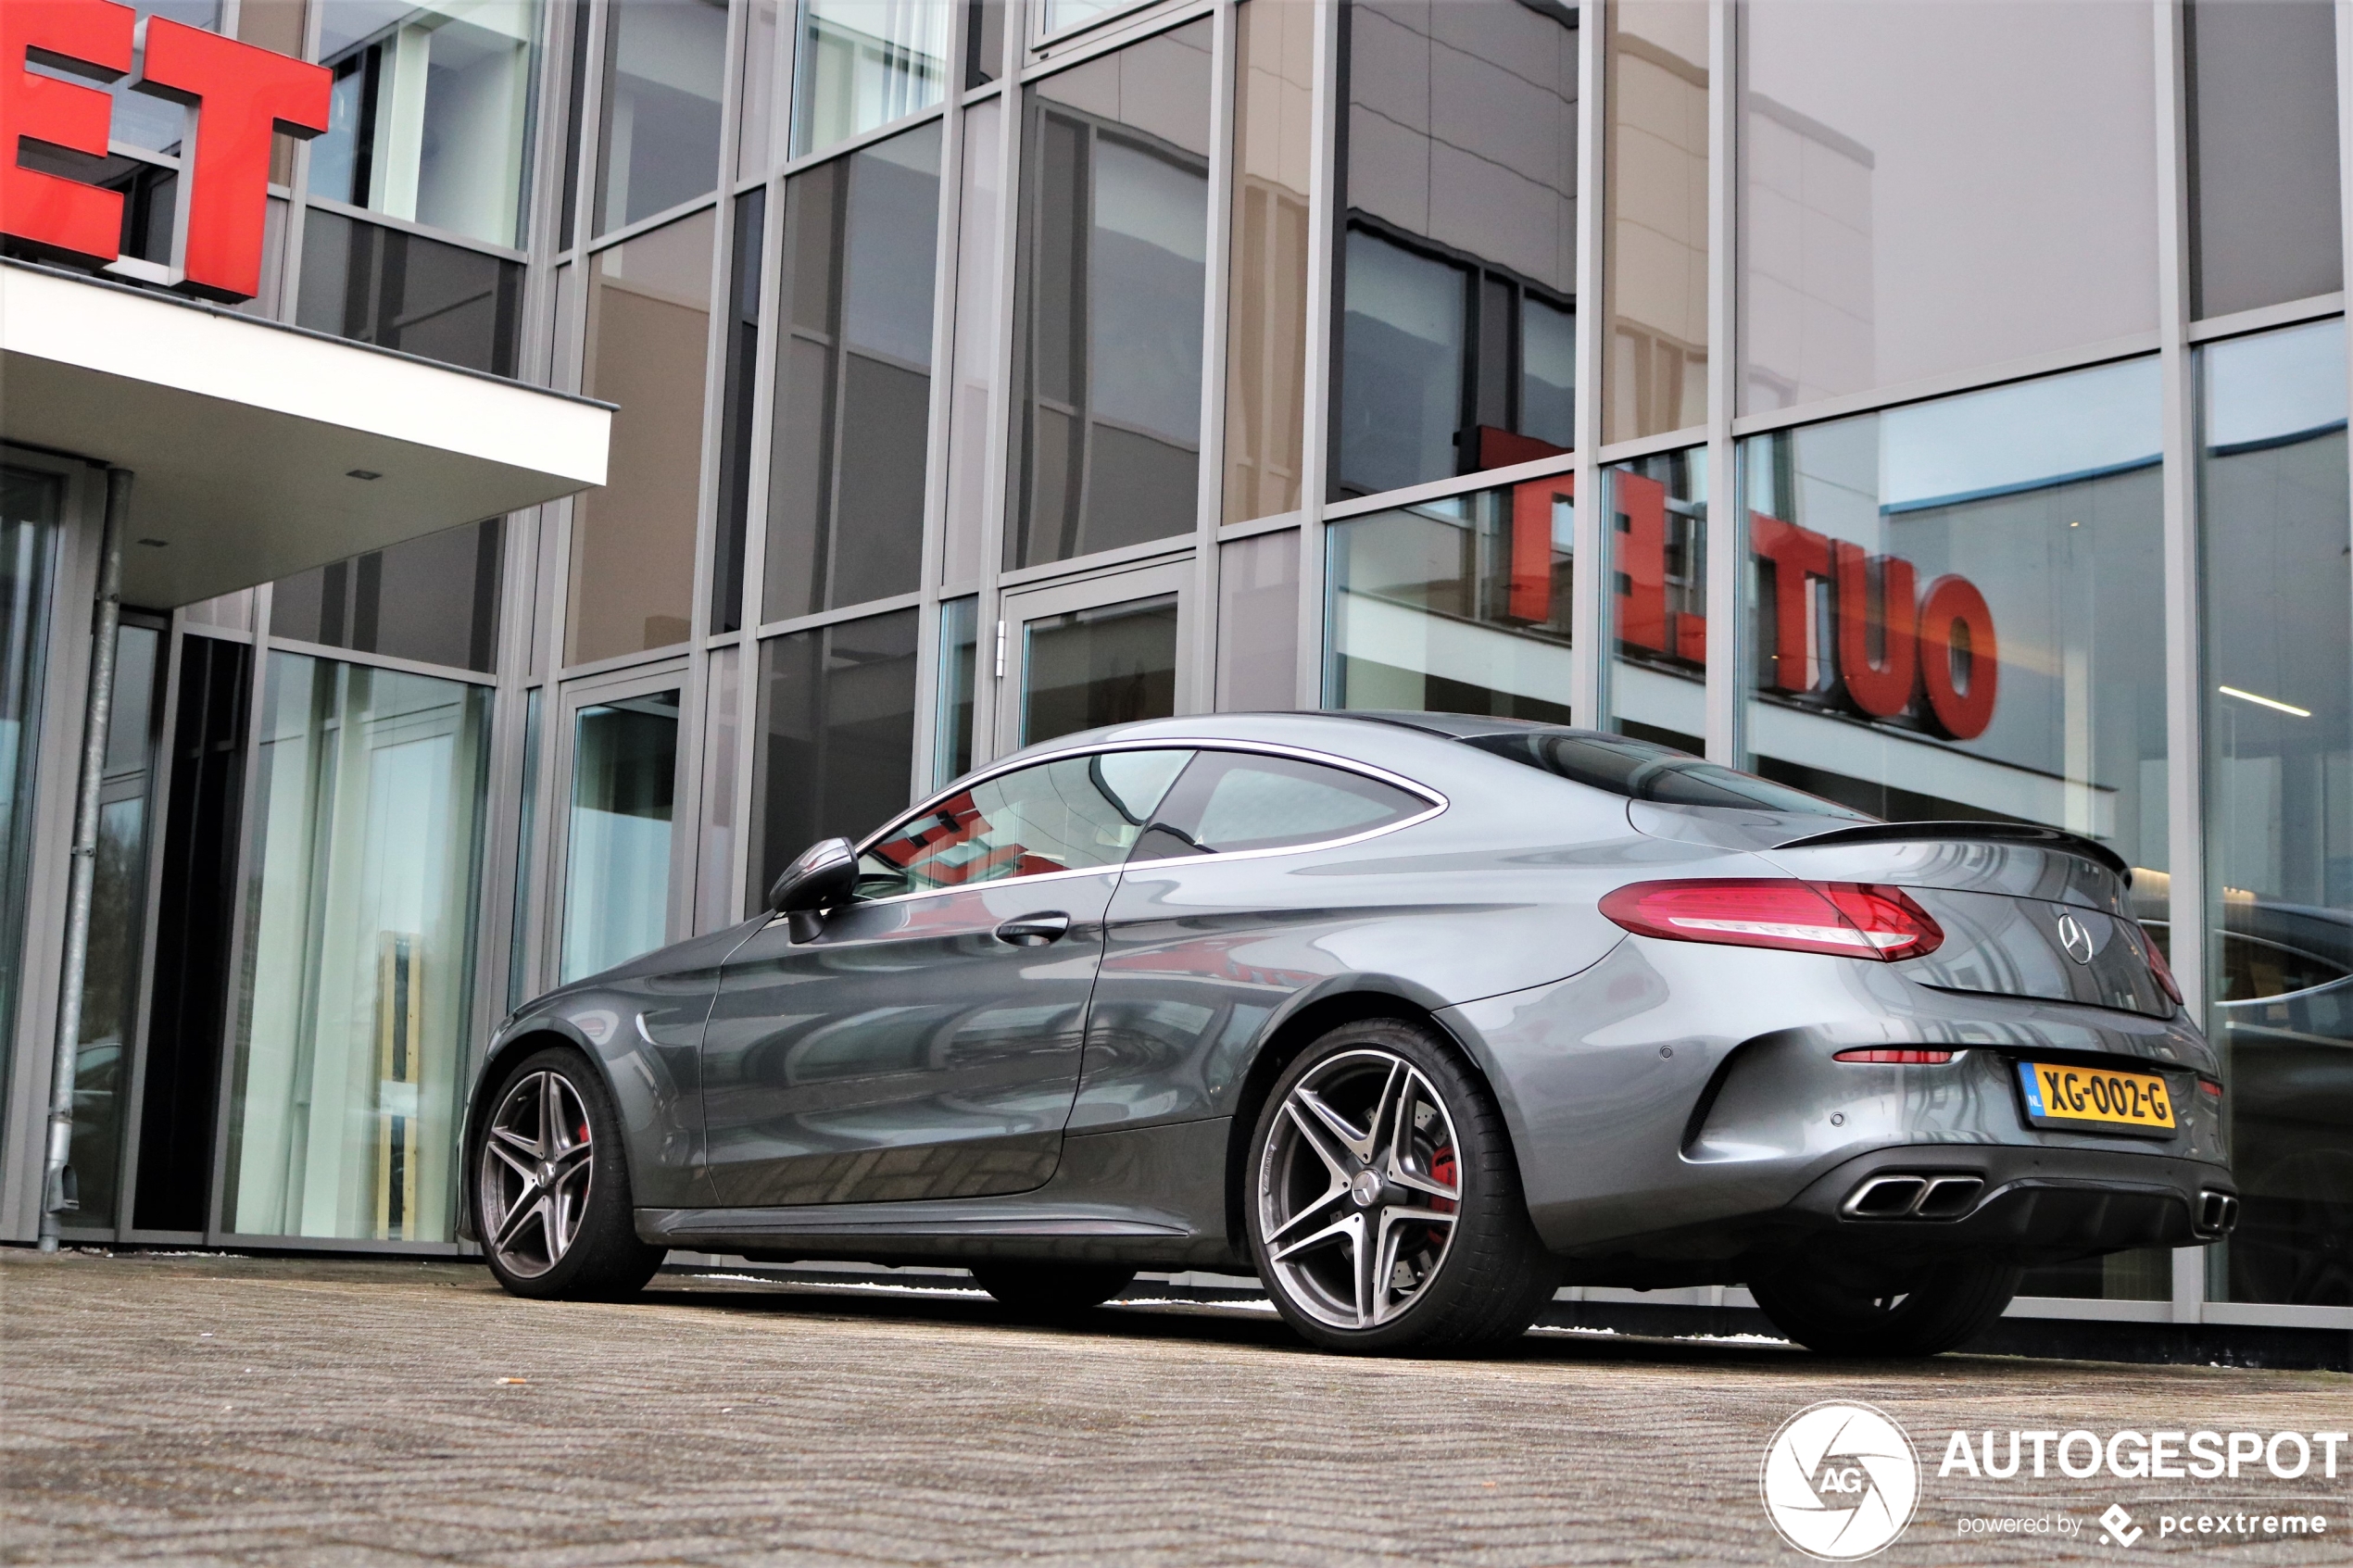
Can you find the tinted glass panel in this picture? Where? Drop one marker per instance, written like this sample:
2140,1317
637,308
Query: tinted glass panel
2263,153
1459,606
736,429
633,563
1266,321
2279,723
352,1041
1641,770
1658,596
1457,345
665,62
141,119
1959,608
972,404
837,708
1879,139
1655,264
29,504
959,664
1069,815
1094,667
398,290
434,599
625,774
853,378
985,42
1258,622
864,63
430,112
1115,244
1230,801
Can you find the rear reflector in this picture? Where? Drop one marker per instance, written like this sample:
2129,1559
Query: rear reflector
1897,1059
1854,919
2210,1088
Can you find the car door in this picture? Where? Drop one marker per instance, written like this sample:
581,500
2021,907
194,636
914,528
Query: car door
924,1041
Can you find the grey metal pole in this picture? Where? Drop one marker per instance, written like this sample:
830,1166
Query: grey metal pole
58,1197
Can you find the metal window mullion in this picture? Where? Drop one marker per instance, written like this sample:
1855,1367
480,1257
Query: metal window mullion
940,412
1727,535
1324,198
1588,605
756,499
2185,660
1197,631
1007,322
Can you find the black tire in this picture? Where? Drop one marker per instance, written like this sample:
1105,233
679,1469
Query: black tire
597,1256
1481,1284
1047,1291
1934,1310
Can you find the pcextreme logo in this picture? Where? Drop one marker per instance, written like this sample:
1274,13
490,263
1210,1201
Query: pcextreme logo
1841,1481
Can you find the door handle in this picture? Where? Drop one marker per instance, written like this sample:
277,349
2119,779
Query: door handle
1035,931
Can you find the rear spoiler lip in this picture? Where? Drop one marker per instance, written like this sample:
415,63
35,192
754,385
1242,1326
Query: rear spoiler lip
2001,833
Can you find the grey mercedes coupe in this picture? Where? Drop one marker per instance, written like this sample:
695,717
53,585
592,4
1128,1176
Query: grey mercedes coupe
1416,1016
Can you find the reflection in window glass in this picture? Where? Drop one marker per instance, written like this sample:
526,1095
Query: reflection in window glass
624,774
398,290
1229,802
430,112
715,857
1458,605
1658,605
2279,727
1958,610
838,735
984,42
141,119
864,63
1460,327
665,61
633,556
1114,241
973,401
1113,664
1258,622
1878,138
118,908
352,1041
2262,99
1655,261
1062,15
28,503
853,378
1267,313
434,599
1065,816
958,666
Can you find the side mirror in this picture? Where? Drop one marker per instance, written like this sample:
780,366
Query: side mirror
821,877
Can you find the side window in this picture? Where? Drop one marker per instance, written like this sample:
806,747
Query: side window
1065,815
1230,800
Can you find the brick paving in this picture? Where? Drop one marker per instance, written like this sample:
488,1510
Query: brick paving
209,1409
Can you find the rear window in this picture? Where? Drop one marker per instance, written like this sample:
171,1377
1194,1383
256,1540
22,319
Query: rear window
1228,801
1641,769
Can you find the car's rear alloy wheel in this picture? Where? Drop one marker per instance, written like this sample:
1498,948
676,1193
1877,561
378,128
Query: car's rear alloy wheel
1385,1211
552,1189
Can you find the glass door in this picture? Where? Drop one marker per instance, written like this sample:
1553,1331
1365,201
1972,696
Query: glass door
619,874
1104,651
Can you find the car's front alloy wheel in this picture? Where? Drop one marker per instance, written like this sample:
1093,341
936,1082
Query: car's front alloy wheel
552,1185
1385,1211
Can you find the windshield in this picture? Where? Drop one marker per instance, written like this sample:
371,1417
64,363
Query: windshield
1642,770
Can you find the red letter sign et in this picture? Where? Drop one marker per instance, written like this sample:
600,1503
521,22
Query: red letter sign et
89,38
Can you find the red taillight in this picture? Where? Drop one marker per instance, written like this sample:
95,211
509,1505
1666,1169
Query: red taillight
1896,1058
2207,1087
2159,967
1848,918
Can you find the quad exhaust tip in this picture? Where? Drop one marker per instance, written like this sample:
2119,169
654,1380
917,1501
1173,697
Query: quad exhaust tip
1906,1196
2218,1212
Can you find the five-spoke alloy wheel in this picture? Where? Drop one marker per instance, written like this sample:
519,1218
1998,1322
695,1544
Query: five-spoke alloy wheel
1385,1207
552,1185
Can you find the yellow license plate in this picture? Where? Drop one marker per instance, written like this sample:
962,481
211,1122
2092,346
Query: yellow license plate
2099,1096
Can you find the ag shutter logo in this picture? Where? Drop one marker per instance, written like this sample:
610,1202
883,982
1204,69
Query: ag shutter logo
1841,1481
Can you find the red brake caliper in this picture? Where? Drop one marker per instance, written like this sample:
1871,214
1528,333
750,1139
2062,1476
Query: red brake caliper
1442,1169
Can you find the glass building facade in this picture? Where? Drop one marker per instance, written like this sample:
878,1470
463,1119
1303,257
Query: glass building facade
1939,407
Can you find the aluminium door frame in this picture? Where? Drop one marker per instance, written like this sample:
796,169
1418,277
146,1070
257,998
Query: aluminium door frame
1174,574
